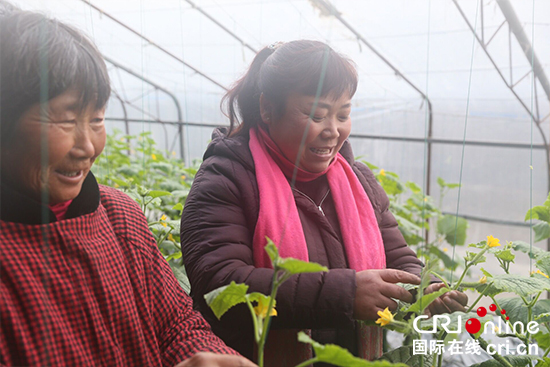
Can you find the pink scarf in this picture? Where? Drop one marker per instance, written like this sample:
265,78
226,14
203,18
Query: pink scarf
278,219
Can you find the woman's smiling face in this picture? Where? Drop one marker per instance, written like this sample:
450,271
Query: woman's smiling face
54,147
329,127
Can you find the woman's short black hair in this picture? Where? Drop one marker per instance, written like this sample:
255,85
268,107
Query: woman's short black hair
40,59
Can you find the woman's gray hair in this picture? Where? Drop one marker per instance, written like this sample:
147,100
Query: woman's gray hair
40,59
7,8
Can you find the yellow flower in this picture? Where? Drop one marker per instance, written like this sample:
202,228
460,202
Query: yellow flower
541,273
183,177
483,280
493,242
445,249
385,317
496,329
154,157
162,219
382,172
261,309
170,237
426,199
116,185
173,153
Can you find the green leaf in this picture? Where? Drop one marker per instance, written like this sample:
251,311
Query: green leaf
339,356
272,251
409,230
158,193
180,193
470,256
424,301
515,361
178,207
526,248
543,339
486,273
174,256
441,182
478,245
171,186
543,317
128,171
505,255
545,362
222,299
413,187
447,261
119,182
538,212
370,165
294,266
453,228
518,284
543,262
181,276
542,231
517,310
390,184
405,355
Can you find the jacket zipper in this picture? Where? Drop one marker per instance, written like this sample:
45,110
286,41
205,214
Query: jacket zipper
310,199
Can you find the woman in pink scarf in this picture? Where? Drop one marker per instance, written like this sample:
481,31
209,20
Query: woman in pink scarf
284,169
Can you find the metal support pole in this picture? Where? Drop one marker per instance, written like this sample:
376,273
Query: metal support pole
164,90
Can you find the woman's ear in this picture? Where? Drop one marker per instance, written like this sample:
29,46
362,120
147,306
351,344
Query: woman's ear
266,109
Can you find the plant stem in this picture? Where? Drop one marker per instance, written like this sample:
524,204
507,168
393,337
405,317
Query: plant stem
254,320
477,300
165,236
469,265
525,341
261,344
440,278
308,362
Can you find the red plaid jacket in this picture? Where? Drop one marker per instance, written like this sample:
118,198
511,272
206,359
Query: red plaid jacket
92,289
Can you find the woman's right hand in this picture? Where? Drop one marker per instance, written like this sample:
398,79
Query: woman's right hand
376,288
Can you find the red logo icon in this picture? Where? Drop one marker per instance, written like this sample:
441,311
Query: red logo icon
473,325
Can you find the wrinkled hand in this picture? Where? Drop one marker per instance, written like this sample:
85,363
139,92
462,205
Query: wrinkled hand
207,359
449,302
376,288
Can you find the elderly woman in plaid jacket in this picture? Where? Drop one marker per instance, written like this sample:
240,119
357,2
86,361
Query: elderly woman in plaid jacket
81,280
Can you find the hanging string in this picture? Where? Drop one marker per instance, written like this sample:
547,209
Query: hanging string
184,128
45,194
426,127
464,136
142,82
306,130
531,151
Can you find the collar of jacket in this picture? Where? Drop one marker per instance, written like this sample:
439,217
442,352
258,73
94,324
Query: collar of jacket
19,208
236,148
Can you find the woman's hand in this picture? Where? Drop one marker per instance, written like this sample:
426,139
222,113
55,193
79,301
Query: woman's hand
449,302
207,359
376,288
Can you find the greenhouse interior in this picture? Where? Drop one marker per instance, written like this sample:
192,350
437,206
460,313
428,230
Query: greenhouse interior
451,115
